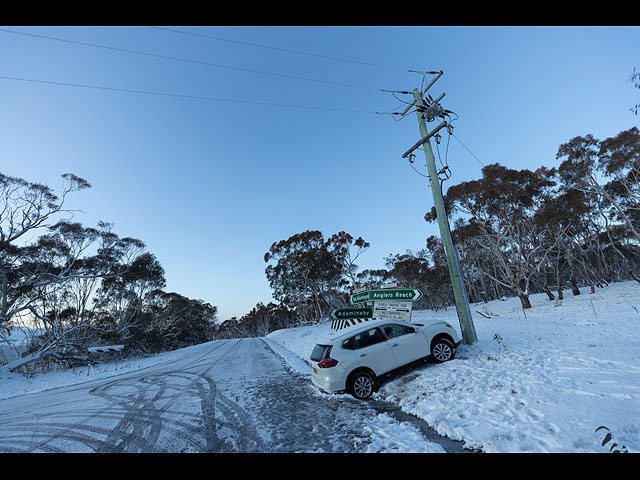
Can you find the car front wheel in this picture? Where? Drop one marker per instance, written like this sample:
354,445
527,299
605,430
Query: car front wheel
442,350
361,385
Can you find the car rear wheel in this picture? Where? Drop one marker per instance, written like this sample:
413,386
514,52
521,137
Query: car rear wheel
442,350
361,385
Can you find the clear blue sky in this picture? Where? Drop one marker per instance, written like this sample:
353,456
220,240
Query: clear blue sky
209,185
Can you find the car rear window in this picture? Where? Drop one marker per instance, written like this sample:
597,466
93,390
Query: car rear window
320,352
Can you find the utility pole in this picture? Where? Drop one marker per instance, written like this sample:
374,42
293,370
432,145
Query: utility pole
455,272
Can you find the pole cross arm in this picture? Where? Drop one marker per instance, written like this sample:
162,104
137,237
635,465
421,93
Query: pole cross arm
427,87
424,139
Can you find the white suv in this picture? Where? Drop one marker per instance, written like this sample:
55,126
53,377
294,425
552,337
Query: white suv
355,358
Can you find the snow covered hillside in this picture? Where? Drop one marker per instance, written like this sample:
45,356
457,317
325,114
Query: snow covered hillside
537,381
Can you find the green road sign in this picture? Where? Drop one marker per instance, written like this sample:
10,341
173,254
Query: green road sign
340,313
402,294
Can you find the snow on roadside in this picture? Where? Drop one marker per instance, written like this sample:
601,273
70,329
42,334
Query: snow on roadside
387,435
540,380
13,384
536,381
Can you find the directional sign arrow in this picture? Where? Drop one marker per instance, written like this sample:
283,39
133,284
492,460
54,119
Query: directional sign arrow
401,294
340,313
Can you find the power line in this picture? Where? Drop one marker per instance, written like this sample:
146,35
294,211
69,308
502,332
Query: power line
194,97
286,50
179,59
468,150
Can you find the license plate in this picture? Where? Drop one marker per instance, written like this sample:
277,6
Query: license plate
315,371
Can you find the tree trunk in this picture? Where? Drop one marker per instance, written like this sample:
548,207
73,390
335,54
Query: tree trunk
316,299
548,292
524,300
574,286
21,362
558,279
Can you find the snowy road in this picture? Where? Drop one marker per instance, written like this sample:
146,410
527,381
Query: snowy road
224,396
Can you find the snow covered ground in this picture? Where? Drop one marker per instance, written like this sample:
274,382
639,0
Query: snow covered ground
536,381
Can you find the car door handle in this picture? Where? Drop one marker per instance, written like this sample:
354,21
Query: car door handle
363,355
394,345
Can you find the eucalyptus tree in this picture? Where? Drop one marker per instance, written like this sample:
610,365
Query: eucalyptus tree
308,272
608,172
50,266
502,205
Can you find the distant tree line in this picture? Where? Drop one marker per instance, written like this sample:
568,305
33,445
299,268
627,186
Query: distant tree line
517,232
83,286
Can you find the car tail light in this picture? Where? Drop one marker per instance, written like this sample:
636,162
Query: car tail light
327,363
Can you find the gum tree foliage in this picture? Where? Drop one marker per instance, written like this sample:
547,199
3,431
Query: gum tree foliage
501,206
170,321
425,269
608,174
259,322
570,227
81,286
312,274
524,231
26,269
371,279
347,250
39,258
123,296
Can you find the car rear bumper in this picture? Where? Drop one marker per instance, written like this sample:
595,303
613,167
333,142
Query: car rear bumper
326,382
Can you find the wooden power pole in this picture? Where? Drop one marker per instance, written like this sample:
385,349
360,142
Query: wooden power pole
455,273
